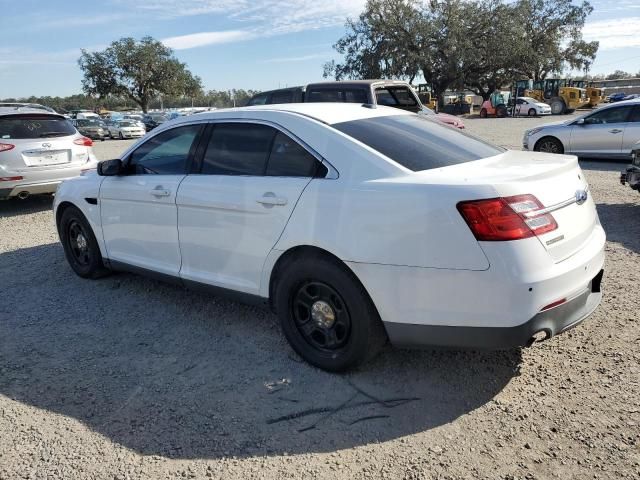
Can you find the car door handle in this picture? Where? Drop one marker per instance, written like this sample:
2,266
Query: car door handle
270,198
160,192
615,130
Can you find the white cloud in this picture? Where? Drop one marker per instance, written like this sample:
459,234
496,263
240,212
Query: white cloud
260,18
194,40
619,33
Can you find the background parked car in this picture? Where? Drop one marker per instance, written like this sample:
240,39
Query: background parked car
152,120
616,97
531,107
92,128
38,150
631,175
126,129
608,132
390,93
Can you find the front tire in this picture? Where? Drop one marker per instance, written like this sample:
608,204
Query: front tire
483,113
80,245
120,136
326,315
549,145
501,111
557,107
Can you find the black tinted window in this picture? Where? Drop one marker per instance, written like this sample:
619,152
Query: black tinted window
395,96
289,159
238,149
166,153
635,115
344,95
416,142
34,126
282,97
258,100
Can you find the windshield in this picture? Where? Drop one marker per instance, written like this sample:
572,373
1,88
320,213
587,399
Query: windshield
126,124
89,123
529,99
34,126
416,142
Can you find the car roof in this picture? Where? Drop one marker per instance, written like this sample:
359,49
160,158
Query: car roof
358,83
328,113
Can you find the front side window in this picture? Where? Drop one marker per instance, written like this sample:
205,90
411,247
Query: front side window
416,142
610,115
164,154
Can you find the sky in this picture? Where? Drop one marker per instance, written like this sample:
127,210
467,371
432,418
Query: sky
249,44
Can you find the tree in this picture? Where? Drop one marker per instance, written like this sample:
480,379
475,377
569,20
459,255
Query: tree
139,71
478,45
619,74
552,37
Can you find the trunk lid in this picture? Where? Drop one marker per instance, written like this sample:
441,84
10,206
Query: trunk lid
555,180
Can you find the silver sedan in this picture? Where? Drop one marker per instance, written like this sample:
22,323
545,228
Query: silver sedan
608,132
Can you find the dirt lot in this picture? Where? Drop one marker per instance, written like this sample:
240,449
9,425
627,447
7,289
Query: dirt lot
127,378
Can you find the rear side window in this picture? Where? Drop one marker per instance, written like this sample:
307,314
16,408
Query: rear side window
34,126
290,159
349,95
238,149
282,97
416,142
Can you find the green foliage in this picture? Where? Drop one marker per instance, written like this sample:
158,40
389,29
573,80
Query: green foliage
479,45
139,71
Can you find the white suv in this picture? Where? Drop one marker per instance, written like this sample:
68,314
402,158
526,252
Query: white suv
38,150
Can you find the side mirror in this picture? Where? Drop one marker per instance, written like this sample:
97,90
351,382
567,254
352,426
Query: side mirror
110,168
580,121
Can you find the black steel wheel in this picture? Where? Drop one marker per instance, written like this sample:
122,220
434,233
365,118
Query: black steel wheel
80,245
321,316
325,313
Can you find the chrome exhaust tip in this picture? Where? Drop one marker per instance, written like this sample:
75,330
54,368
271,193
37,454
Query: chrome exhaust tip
23,195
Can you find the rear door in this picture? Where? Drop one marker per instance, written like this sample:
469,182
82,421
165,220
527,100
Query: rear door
631,132
601,133
232,211
138,209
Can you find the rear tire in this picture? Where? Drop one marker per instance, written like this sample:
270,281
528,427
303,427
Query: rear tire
532,112
549,145
120,136
80,245
501,111
483,113
326,315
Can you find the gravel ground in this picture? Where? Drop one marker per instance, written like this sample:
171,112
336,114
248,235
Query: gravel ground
127,378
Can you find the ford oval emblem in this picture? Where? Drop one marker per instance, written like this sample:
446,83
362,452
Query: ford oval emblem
581,196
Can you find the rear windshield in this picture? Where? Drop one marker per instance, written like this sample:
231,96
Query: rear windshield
416,142
125,124
89,123
35,126
395,96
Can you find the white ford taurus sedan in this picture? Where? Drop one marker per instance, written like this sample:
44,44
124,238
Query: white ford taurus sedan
355,224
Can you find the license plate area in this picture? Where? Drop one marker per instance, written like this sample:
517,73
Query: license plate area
39,158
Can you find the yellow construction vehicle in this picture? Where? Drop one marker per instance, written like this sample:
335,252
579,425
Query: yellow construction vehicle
426,97
560,94
595,95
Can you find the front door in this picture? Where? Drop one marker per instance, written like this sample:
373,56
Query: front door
232,213
138,209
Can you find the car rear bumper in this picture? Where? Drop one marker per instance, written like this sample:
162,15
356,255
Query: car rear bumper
30,189
542,326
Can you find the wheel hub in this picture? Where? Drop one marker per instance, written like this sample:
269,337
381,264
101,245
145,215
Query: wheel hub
322,314
81,242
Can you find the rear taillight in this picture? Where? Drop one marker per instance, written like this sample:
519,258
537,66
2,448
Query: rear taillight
508,218
10,179
84,141
6,146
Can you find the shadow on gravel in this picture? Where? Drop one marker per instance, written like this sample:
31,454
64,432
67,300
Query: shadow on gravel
15,207
621,222
604,165
164,371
